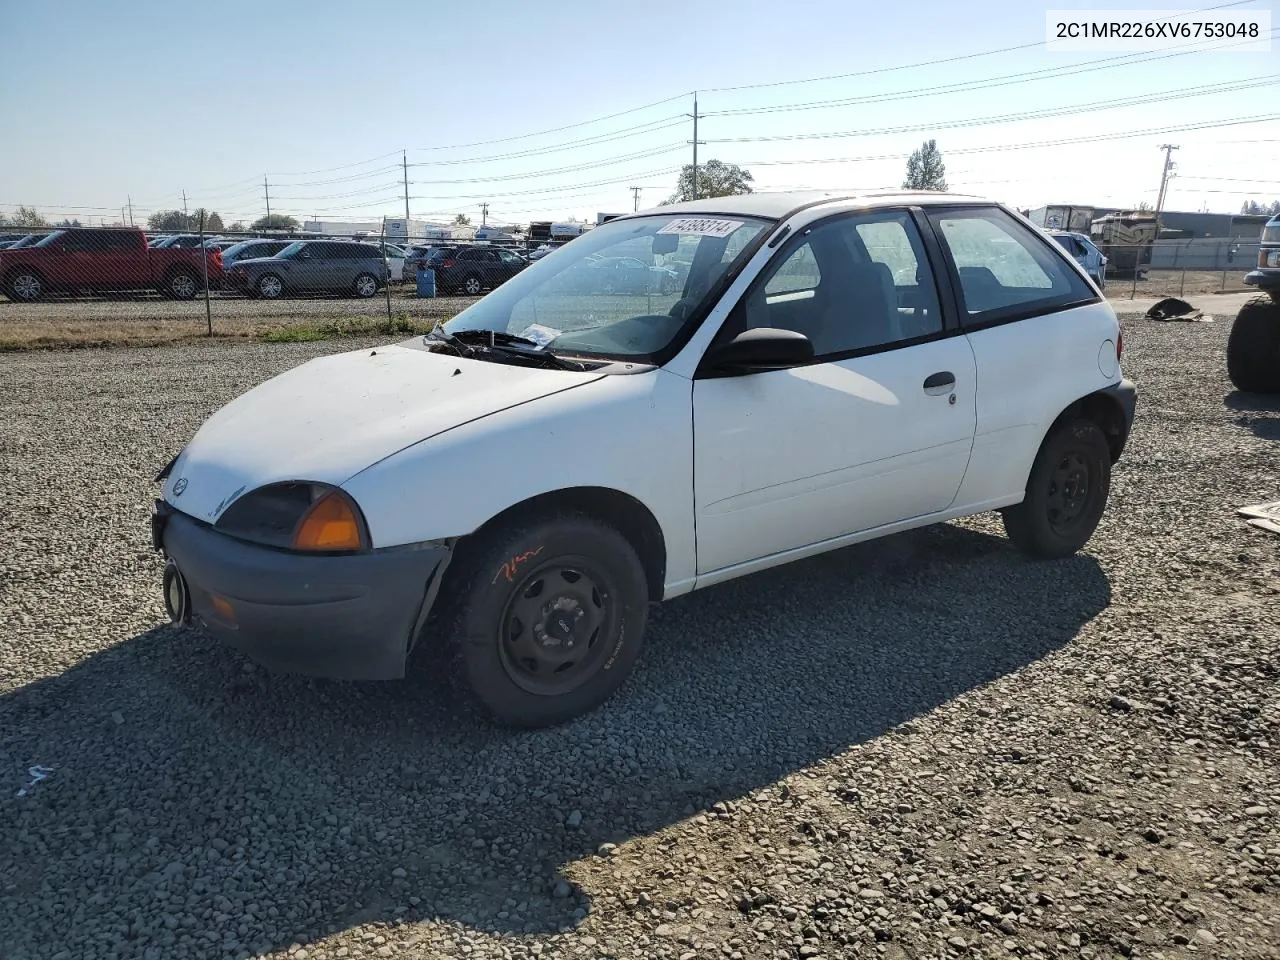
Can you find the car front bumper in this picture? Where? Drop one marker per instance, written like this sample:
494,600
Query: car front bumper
352,617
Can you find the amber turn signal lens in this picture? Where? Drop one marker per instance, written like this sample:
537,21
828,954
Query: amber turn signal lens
330,524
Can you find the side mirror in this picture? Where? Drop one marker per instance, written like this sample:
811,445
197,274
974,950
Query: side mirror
764,348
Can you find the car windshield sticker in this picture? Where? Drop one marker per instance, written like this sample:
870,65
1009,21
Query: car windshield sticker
539,334
701,227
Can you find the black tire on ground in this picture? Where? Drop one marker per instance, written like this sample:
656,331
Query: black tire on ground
182,285
1253,347
25,286
365,286
546,618
1066,492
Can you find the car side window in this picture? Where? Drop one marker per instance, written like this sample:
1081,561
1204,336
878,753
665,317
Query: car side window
1005,270
857,283
80,241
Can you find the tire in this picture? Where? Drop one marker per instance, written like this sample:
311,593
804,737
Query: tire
1253,347
1050,522
365,286
269,287
512,653
25,286
472,286
182,285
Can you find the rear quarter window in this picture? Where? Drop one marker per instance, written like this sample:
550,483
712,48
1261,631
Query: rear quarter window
1003,269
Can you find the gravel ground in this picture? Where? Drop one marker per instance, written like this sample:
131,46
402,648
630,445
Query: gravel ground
924,747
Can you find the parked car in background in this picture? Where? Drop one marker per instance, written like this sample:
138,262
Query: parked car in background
105,258
631,275
471,270
30,240
1085,253
330,266
252,249
395,255
181,240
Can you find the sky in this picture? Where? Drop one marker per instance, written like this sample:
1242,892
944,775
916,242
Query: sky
555,110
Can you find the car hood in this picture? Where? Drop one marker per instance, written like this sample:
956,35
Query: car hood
334,416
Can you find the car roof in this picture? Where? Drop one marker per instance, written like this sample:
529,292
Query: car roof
778,204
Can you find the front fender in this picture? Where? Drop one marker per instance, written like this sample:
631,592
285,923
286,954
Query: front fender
629,433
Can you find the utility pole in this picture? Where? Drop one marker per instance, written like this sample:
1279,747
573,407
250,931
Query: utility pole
404,161
130,199
635,192
266,192
695,145
185,217
1165,173
484,214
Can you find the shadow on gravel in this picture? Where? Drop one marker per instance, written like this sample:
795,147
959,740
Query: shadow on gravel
1253,408
199,806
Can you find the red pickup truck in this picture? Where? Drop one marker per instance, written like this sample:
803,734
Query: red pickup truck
83,259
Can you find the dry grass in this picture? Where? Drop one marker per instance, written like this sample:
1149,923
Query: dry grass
150,321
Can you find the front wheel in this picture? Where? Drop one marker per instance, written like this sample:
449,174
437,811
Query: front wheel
270,287
549,618
1066,492
366,286
472,286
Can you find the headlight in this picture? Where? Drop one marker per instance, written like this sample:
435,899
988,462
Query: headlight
310,517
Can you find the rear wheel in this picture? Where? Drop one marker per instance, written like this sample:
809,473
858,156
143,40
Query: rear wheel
548,618
1253,348
1066,492
26,286
472,286
182,286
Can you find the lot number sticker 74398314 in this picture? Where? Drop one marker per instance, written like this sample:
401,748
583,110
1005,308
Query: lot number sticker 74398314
701,227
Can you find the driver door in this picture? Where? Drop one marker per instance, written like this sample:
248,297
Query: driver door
876,430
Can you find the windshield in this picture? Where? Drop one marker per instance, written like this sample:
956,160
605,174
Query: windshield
49,240
291,249
623,290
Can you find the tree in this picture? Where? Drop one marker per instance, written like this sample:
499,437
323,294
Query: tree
28,217
237,227
462,220
1144,207
925,169
276,221
715,179
1256,209
68,223
167,220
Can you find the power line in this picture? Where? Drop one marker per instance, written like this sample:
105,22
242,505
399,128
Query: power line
656,126
921,63
968,86
1096,106
568,126
609,162
996,148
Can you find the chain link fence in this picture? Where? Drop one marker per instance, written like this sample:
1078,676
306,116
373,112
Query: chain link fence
1179,268
123,284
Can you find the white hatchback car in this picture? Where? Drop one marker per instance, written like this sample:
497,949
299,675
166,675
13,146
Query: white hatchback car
523,481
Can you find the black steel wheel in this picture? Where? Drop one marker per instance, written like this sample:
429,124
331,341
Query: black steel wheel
547,617
1066,492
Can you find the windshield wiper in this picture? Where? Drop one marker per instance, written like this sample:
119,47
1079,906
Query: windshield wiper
438,335
467,342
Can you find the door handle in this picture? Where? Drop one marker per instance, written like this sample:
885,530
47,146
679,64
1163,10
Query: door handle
939,383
